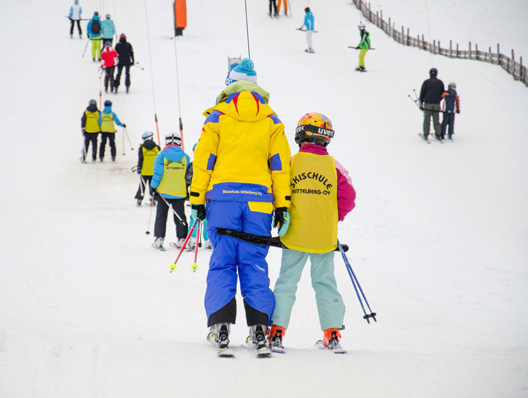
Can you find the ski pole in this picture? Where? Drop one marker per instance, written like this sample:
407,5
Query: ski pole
194,266
148,225
123,142
357,286
142,185
172,267
85,47
168,204
126,133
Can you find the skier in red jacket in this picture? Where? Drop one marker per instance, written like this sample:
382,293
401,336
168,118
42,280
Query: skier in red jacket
108,63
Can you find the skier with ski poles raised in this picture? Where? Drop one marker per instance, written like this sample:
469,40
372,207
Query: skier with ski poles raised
147,153
322,195
169,180
241,168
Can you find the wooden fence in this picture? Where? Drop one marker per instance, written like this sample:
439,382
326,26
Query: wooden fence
514,68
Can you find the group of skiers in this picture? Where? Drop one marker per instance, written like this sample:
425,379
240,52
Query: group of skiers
363,46
94,122
244,179
433,100
101,35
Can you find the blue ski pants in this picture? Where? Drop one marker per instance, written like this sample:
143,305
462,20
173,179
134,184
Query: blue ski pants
234,259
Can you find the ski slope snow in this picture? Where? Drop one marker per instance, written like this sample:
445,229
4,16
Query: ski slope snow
438,238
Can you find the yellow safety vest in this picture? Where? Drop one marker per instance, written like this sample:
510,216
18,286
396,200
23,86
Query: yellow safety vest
173,179
149,156
92,122
313,209
107,123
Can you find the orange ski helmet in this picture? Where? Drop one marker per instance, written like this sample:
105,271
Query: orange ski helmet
315,128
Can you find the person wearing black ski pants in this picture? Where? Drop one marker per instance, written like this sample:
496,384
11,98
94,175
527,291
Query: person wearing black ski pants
125,53
178,205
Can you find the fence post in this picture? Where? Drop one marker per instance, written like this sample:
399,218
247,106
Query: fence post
408,37
458,53
369,13
439,48
403,36
434,47
513,62
490,57
476,52
423,42
499,61
451,48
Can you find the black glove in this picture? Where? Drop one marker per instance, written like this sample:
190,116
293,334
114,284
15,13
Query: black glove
357,48
199,212
422,107
279,216
138,170
124,125
458,111
83,131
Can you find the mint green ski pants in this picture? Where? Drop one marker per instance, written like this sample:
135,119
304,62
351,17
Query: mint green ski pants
329,302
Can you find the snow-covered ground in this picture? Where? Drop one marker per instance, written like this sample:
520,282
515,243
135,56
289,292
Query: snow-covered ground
438,238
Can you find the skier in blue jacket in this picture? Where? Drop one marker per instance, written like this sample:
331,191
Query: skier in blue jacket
107,30
93,32
169,180
107,118
309,24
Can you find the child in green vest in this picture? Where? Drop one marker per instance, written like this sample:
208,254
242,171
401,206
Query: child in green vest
147,153
107,121
322,195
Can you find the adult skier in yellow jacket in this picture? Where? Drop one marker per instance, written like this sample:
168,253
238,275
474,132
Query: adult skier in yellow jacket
241,168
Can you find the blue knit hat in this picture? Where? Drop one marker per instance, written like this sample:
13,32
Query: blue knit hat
244,71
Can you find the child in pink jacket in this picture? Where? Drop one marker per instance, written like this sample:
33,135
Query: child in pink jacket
322,195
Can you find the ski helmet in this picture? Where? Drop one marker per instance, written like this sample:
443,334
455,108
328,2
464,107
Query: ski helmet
315,128
173,139
147,135
452,85
108,103
433,72
92,102
361,27
107,16
122,36
96,14
108,44
307,9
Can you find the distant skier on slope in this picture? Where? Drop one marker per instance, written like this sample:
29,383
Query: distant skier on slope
125,53
108,63
322,195
241,168
75,17
93,31
90,129
107,30
364,46
309,25
147,153
170,169
430,97
107,118
450,106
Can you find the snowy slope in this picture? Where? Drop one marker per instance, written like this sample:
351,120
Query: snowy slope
438,237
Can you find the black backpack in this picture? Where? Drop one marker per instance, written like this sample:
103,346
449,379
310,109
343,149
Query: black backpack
96,27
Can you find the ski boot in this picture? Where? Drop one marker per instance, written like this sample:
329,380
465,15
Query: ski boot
331,341
191,245
139,202
158,244
219,337
257,339
207,245
275,339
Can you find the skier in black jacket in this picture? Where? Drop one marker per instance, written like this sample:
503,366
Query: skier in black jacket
126,59
430,97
